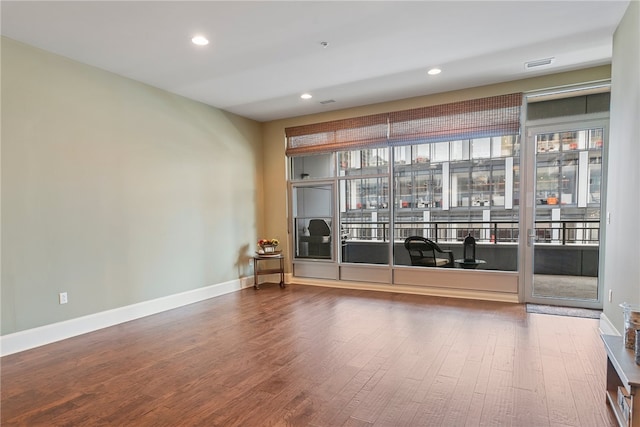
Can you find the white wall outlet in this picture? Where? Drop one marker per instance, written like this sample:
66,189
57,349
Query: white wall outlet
62,297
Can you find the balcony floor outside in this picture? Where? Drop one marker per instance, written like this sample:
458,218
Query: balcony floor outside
565,287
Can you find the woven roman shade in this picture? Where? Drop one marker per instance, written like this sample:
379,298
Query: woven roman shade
476,118
348,134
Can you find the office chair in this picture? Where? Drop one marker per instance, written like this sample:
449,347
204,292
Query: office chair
319,238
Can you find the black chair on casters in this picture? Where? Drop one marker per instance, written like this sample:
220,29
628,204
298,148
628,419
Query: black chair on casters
425,253
319,239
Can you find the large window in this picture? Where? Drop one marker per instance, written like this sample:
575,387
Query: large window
443,191
441,172
446,190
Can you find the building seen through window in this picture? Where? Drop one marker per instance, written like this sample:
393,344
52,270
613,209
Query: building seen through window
445,190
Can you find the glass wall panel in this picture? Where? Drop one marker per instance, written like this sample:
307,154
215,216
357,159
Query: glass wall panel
481,185
516,185
549,142
440,152
404,188
316,166
502,146
568,179
404,155
443,191
364,206
312,211
460,188
482,178
595,177
547,179
460,150
428,183
363,162
575,140
497,185
481,148
595,139
421,154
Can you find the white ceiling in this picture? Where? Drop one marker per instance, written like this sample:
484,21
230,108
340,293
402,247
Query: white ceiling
264,54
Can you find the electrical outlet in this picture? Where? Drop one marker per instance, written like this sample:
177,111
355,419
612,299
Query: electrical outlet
62,297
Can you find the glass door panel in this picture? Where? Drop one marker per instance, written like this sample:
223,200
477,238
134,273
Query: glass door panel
312,219
564,227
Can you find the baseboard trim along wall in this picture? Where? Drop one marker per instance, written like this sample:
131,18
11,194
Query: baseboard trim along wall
36,337
606,327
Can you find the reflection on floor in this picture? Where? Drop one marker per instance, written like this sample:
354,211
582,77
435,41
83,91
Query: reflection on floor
573,287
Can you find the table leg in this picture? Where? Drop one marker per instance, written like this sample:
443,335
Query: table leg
255,274
282,273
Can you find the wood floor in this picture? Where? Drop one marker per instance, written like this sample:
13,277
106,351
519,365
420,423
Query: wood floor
311,356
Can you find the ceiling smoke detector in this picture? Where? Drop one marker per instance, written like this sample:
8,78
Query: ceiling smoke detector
538,63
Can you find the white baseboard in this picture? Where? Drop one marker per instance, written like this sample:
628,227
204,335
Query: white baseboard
606,327
36,337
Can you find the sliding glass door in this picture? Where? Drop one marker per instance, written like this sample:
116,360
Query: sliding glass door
564,219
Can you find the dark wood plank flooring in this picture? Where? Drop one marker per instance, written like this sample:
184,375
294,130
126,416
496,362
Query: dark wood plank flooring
311,356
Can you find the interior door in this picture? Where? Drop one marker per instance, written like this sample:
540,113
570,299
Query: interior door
564,211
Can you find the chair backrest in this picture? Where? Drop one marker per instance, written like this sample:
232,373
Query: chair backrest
422,251
319,227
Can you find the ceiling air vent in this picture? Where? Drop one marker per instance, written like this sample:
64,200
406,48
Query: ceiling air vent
538,63
328,101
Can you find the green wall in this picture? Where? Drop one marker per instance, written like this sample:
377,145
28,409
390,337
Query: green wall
116,192
622,243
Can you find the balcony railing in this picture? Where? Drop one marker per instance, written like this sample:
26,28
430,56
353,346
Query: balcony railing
580,232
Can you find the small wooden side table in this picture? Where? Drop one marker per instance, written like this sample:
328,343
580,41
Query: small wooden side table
623,382
257,272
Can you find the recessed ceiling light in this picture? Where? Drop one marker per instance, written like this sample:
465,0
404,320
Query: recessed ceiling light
200,40
306,96
434,71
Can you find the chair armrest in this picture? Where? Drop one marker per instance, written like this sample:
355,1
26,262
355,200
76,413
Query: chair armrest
450,254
